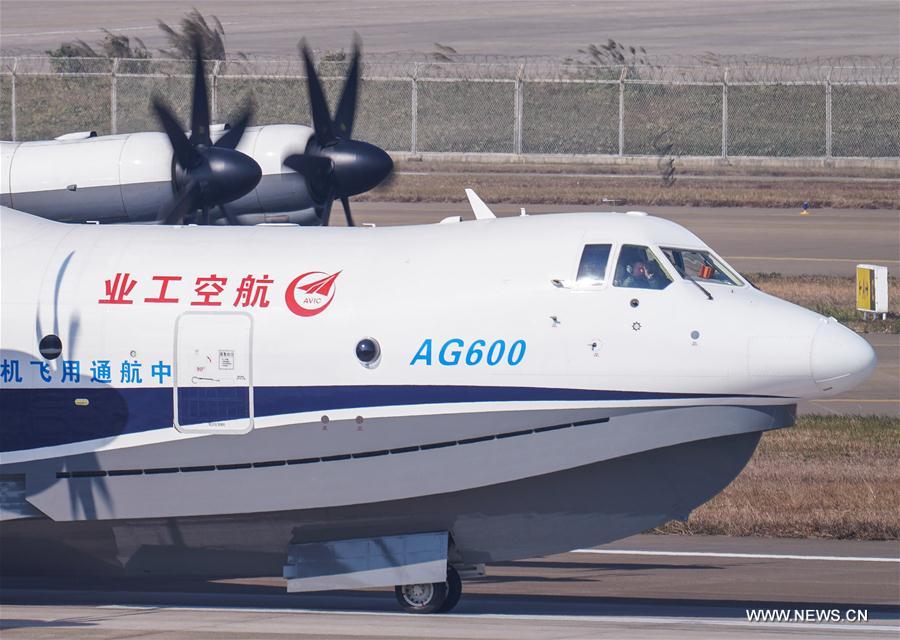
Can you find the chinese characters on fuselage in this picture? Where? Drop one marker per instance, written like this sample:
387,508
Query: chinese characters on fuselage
252,291
97,372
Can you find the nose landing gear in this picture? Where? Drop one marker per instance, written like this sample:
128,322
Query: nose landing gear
435,597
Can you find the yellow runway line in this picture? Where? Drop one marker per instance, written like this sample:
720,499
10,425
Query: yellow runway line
788,258
871,400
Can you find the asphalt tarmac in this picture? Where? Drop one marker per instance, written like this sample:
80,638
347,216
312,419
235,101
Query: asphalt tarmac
801,28
644,586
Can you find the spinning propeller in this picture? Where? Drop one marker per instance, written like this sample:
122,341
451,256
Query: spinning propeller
205,175
334,165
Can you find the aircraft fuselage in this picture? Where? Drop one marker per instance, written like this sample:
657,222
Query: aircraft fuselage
209,398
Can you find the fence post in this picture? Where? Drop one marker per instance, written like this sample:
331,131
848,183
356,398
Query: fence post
725,114
518,105
12,98
215,90
113,99
622,111
414,120
828,129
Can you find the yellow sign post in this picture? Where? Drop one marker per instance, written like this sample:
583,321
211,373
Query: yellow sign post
871,289
865,289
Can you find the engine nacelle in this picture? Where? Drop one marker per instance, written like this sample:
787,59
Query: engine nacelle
128,177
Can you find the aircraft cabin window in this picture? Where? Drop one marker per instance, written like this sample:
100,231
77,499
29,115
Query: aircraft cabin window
638,268
592,269
700,265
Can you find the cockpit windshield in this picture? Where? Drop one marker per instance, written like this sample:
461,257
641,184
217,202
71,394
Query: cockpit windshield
592,268
638,268
700,265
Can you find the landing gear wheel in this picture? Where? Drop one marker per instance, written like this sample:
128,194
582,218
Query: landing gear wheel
454,591
422,598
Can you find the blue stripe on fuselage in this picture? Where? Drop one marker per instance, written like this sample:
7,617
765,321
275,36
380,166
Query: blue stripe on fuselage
35,417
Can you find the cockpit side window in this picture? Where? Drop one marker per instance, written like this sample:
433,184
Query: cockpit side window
592,269
695,264
638,268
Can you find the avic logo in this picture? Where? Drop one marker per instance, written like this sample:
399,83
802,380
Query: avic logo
311,293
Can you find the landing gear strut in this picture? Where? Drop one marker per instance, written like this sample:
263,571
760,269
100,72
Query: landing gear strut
435,597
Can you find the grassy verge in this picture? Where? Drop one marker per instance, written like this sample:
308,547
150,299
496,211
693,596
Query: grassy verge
826,477
521,183
651,165
831,296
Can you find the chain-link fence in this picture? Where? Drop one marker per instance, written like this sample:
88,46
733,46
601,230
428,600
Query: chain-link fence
717,107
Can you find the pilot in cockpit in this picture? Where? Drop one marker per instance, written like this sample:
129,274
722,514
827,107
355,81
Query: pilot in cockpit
638,269
637,277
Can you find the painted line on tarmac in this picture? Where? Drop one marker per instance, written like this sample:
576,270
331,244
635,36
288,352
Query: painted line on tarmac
794,259
754,556
530,617
31,34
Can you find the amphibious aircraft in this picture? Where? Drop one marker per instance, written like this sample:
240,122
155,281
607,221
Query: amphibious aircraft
356,407
242,174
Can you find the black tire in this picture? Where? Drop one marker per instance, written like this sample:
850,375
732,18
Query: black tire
454,591
421,598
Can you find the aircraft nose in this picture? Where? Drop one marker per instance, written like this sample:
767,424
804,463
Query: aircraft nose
839,358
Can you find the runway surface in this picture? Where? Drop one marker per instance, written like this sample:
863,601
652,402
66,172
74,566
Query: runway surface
644,586
827,242
509,27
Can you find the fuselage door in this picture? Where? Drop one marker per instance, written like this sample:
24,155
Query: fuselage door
213,373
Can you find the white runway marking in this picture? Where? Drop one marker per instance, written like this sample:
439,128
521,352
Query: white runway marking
753,556
669,620
28,34
31,34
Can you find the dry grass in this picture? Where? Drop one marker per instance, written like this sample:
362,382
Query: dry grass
649,164
830,296
827,477
521,183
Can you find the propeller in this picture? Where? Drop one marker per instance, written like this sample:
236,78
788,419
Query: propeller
334,165
205,175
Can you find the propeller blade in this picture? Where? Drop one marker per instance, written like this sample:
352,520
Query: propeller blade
346,202
388,182
200,107
346,111
184,151
316,170
232,219
324,210
319,107
233,135
74,326
174,211
306,165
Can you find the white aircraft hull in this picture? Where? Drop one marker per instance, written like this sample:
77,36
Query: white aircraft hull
568,501
513,409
